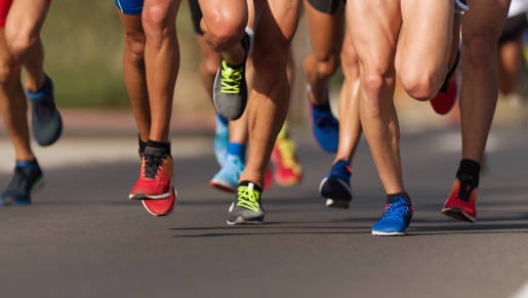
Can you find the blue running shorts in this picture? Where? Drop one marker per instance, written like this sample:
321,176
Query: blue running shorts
133,7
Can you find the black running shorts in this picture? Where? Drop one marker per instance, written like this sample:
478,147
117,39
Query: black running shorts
196,15
328,6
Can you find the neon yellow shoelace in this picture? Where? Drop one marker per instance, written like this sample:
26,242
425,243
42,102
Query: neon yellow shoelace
231,79
248,198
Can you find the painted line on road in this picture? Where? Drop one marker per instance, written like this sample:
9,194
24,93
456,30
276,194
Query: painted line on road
522,292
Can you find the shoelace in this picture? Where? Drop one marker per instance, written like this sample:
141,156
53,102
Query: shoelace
248,199
152,165
231,79
398,210
466,188
286,149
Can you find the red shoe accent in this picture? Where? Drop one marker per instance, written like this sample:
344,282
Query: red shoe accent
444,102
268,179
157,187
287,170
160,207
458,208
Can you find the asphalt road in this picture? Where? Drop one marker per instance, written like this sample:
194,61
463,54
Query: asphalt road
82,238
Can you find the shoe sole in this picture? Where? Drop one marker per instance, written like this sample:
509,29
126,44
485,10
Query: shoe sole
172,198
377,233
222,187
341,200
242,221
457,213
142,196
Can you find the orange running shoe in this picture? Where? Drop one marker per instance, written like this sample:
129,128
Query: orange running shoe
160,207
461,202
155,178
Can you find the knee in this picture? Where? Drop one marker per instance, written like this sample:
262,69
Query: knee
479,51
157,21
19,42
422,86
9,70
135,49
223,32
325,65
374,86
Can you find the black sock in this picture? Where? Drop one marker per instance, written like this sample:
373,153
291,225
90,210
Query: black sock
141,145
158,147
404,195
247,182
469,170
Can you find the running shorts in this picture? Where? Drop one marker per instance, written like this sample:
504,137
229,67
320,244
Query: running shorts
328,6
133,7
513,28
4,9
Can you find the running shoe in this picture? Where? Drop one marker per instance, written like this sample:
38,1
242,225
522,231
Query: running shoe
227,178
287,171
395,219
445,99
335,187
461,201
45,118
246,209
26,179
155,177
230,87
325,127
221,140
160,207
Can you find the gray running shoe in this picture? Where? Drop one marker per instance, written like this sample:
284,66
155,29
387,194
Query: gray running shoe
45,118
27,177
246,209
230,92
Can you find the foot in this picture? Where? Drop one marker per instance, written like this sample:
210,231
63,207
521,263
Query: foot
461,201
227,178
325,127
335,187
247,208
395,220
27,177
221,140
45,118
230,88
287,170
155,177
445,99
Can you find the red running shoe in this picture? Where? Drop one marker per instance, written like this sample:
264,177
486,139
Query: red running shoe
160,207
155,178
287,170
461,202
445,99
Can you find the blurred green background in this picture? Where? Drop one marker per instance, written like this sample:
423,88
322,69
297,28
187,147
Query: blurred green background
83,41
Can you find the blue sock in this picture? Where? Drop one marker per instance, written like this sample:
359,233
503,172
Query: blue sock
237,150
29,164
221,119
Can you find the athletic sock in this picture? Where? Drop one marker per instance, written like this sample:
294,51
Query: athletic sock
237,150
469,170
158,146
404,195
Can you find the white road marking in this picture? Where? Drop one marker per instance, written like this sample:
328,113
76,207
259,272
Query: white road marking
522,292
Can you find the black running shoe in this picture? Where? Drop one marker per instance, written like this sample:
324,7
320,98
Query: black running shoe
26,178
46,119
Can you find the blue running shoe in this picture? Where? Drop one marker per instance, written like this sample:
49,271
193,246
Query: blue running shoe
395,219
227,178
335,187
221,140
45,118
27,177
461,5
325,127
